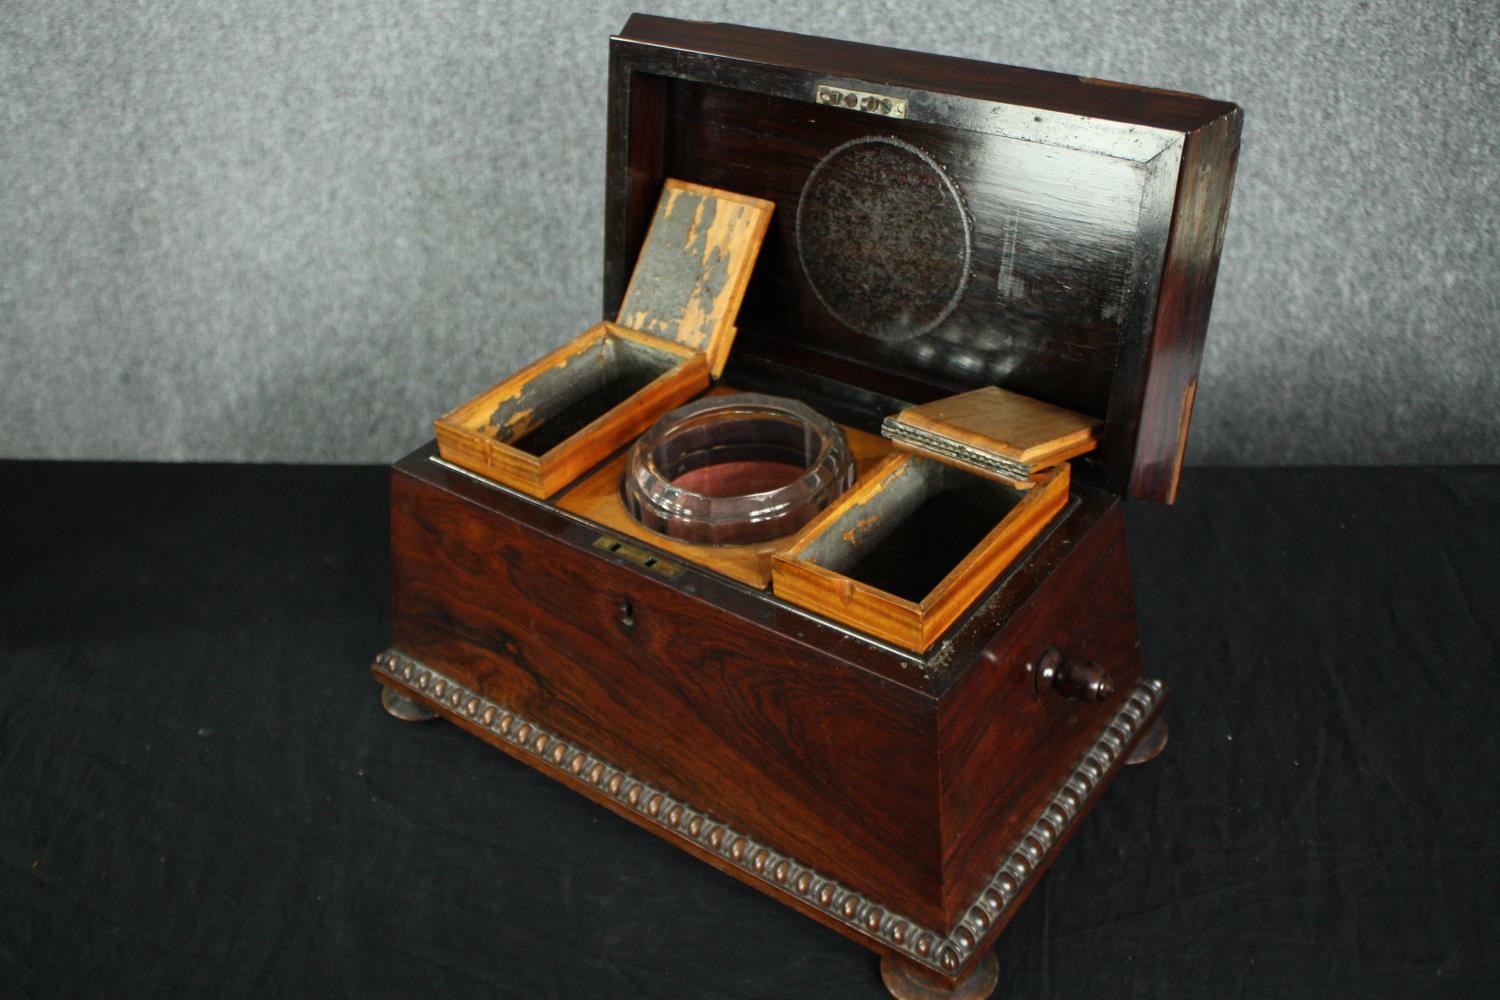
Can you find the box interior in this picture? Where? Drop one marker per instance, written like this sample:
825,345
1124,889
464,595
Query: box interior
911,534
597,497
559,402
998,265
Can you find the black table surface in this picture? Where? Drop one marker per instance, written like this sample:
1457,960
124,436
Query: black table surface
200,795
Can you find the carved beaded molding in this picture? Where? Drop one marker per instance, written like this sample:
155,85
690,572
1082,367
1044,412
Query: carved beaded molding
943,953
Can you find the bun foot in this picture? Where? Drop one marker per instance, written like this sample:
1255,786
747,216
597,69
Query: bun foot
401,707
1150,746
906,981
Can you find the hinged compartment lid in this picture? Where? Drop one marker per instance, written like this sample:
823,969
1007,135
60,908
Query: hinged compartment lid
943,224
1000,434
693,267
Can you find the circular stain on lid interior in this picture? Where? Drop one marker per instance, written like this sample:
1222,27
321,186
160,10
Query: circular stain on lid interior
884,238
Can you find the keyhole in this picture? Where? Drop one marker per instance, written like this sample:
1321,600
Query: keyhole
627,613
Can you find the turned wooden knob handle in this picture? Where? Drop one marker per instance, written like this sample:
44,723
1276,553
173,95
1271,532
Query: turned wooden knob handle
1073,678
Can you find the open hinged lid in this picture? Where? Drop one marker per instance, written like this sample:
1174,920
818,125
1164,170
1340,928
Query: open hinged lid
943,225
693,267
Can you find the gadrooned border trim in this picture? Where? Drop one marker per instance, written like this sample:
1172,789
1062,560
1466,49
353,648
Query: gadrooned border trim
943,953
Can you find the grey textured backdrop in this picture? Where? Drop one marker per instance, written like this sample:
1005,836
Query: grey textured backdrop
299,231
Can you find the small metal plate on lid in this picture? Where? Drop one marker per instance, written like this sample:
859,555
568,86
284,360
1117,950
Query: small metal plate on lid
862,100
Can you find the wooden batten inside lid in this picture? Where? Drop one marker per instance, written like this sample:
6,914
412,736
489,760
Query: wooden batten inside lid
1000,434
691,275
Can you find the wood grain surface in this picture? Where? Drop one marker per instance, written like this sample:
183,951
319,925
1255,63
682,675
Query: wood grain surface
1170,380
898,783
791,743
999,733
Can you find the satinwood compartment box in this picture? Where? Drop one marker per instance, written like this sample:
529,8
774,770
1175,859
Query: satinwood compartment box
940,226
908,549
542,427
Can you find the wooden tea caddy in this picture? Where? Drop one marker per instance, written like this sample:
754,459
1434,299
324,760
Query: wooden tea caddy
940,225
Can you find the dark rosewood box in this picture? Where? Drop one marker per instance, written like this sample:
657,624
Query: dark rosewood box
940,225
